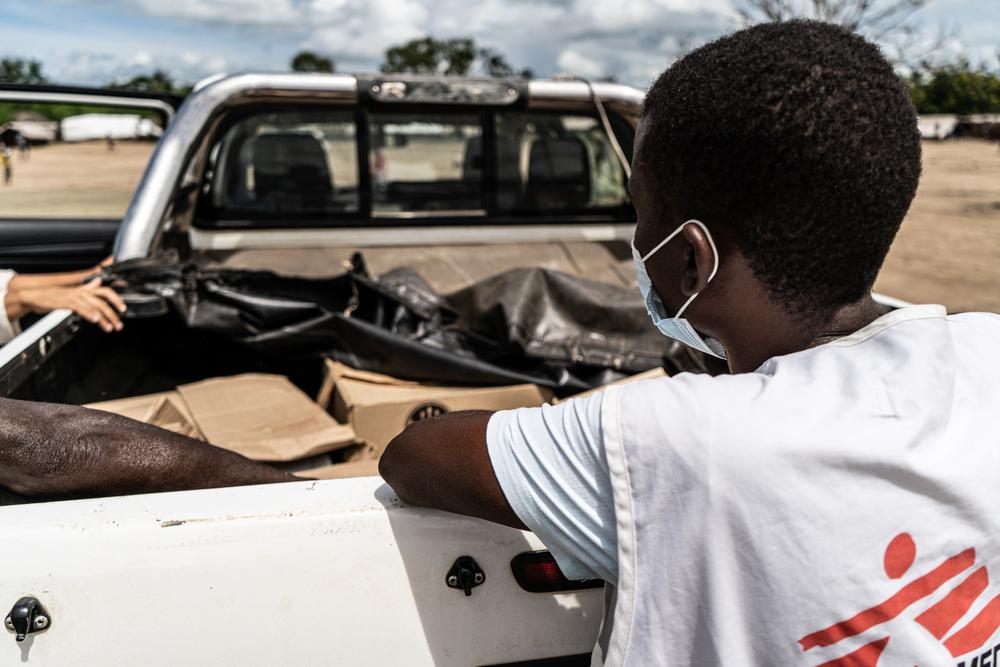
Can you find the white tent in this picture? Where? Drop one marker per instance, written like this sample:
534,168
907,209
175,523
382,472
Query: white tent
937,126
90,126
35,131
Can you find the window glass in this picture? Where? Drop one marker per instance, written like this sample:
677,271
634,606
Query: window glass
549,162
285,164
426,163
72,161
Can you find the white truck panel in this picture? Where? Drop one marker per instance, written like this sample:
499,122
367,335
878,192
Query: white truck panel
334,572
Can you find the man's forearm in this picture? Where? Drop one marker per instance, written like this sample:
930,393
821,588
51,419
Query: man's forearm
444,463
14,305
63,451
26,281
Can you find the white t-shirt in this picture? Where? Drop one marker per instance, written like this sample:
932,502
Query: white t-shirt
839,503
8,329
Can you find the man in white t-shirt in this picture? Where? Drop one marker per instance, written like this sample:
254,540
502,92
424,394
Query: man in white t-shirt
831,502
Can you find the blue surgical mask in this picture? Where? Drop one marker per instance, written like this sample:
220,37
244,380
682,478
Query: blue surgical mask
675,327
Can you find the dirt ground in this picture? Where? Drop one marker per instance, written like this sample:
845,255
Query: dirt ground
81,180
948,250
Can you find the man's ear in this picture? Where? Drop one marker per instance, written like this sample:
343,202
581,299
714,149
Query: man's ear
699,259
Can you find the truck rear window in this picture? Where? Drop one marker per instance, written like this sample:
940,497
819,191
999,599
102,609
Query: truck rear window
285,164
552,162
422,162
277,166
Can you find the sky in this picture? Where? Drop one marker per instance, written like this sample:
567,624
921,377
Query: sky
93,42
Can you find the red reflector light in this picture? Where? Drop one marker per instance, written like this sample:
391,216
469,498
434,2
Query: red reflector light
537,572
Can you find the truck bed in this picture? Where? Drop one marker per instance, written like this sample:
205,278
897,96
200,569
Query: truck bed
445,267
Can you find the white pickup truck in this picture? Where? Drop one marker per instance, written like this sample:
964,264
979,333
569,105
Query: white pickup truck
293,173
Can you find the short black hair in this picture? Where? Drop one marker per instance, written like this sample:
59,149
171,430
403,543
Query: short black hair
800,138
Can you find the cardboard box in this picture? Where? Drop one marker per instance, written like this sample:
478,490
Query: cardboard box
378,406
166,410
645,375
263,417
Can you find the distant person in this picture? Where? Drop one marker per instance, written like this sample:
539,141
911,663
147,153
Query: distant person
79,291
23,145
111,144
8,164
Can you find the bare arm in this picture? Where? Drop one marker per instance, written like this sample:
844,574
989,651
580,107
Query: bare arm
49,450
443,463
43,280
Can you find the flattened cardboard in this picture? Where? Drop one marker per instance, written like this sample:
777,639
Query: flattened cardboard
133,407
169,415
263,417
378,406
165,409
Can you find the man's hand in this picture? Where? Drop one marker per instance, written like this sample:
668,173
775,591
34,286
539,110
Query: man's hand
107,261
60,451
94,303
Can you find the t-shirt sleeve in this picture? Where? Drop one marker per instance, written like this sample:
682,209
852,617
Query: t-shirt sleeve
8,329
551,465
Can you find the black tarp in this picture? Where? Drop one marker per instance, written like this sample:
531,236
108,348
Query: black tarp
524,325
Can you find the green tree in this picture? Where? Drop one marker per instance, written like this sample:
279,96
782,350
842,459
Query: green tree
157,81
495,63
893,24
959,88
21,70
310,61
450,57
876,18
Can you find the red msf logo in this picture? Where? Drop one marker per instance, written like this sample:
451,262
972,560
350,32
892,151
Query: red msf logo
939,619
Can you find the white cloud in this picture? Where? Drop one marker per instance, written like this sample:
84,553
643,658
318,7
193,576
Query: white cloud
572,61
104,67
361,30
630,39
232,12
142,59
651,14
586,37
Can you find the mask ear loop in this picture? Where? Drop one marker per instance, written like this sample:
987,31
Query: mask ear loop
711,242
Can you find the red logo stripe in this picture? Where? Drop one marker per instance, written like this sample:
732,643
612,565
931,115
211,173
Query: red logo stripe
917,589
977,631
866,656
940,618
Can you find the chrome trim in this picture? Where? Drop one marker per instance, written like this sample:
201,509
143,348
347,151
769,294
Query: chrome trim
361,237
578,91
83,98
417,215
21,342
149,204
212,78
